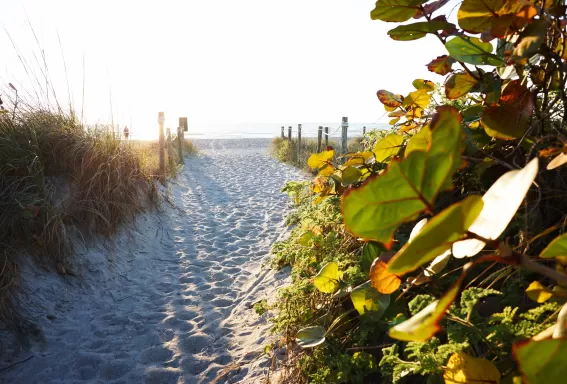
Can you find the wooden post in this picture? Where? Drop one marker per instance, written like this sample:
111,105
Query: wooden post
289,133
169,148
299,143
180,144
161,120
326,137
283,134
319,137
182,129
363,131
344,136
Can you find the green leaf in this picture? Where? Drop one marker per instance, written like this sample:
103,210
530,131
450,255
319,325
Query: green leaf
428,85
387,147
350,175
306,238
376,209
310,337
370,251
541,361
557,247
419,142
365,298
418,30
327,280
501,202
473,51
437,236
424,324
395,10
459,84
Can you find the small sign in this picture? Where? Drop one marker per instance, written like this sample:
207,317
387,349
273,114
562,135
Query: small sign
161,118
183,124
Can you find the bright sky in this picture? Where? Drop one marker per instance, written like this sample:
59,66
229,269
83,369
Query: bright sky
218,62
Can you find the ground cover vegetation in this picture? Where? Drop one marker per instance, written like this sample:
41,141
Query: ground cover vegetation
60,181
438,253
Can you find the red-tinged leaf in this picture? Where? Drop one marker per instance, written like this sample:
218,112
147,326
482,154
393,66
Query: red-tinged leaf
430,8
459,84
441,65
513,91
389,99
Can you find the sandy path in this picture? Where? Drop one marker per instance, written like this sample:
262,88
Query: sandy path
171,302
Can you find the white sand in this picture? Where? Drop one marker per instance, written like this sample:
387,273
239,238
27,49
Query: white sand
170,300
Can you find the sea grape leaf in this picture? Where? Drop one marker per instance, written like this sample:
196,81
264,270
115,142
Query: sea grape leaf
417,99
350,175
513,91
387,147
376,209
382,280
424,324
423,84
437,236
416,229
496,16
541,361
419,142
306,238
557,161
531,39
492,88
557,247
462,368
365,299
504,122
389,99
441,65
310,337
459,84
395,10
328,278
472,50
501,202
430,8
359,158
538,293
418,30
319,160
438,264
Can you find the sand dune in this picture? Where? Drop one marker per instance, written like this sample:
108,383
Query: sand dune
170,300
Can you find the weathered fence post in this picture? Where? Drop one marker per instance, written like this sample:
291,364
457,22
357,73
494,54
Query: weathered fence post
363,131
326,137
289,133
180,145
161,120
169,148
344,141
183,127
319,137
299,143
283,135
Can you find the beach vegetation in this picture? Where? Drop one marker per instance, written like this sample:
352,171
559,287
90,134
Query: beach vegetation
437,253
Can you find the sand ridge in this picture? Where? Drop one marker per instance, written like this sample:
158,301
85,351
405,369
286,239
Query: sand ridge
172,302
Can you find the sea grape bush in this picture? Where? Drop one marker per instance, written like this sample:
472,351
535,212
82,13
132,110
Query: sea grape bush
478,175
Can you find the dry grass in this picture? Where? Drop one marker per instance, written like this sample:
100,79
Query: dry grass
55,175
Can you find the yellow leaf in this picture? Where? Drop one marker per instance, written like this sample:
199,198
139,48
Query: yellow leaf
360,158
327,280
327,170
385,282
538,292
419,98
465,369
318,160
387,147
394,121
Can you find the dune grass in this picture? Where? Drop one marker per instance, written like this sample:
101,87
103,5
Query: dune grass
57,177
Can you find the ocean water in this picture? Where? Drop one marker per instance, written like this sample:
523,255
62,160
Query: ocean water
264,130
